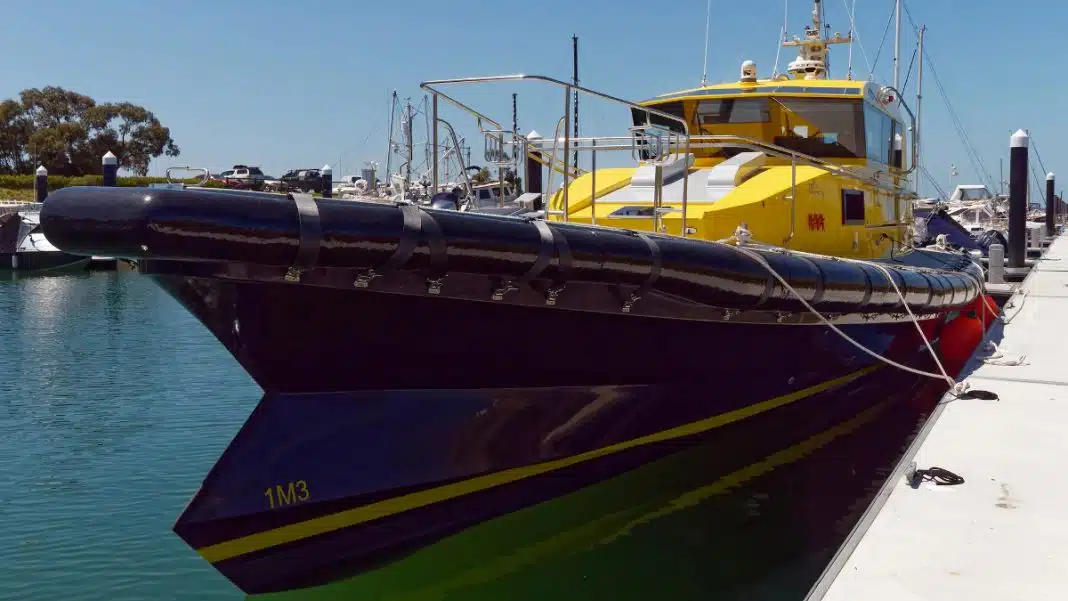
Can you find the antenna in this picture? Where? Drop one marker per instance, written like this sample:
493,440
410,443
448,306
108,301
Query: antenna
708,20
852,26
897,45
811,62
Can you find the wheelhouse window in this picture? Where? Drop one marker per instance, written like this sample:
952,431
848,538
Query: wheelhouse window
879,131
733,110
672,108
823,128
641,117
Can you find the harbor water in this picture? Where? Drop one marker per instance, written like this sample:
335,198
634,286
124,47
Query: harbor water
115,402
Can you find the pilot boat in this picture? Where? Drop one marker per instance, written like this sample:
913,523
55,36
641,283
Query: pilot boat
456,400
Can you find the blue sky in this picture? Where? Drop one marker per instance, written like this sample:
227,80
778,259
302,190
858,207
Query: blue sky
288,84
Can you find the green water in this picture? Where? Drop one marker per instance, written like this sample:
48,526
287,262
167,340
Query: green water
114,403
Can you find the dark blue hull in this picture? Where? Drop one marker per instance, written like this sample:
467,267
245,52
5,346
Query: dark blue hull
385,430
444,388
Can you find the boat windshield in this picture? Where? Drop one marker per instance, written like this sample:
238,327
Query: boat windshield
828,128
980,193
823,128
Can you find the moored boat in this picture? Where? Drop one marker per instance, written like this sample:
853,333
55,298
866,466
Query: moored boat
24,248
430,374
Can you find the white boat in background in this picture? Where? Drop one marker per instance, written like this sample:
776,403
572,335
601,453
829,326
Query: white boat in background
974,207
23,246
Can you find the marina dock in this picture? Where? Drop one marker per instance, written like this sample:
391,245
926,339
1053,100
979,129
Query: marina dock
1001,533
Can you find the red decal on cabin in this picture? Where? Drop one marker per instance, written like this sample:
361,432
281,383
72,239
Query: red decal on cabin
815,221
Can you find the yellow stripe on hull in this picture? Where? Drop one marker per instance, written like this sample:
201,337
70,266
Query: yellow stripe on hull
352,517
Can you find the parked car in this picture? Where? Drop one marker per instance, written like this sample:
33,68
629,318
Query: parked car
272,184
221,177
301,180
244,177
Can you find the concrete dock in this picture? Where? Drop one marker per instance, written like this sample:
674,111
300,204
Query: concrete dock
1003,532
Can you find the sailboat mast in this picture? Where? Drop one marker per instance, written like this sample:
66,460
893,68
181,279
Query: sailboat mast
919,106
427,154
409,120
389,150
897,47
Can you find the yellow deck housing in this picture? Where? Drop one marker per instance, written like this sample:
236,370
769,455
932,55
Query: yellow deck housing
760,198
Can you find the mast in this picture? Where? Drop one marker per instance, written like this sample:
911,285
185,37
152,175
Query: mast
409,119
574,51
515,135
919,106
389,150
811,61
897,46
428,156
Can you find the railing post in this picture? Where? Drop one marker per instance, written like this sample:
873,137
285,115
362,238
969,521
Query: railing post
793,198
111,169
658,194
685,185
593,182
40,184
567,146
326,181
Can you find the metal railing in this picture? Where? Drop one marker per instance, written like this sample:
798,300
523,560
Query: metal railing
569,93
204,177
652,144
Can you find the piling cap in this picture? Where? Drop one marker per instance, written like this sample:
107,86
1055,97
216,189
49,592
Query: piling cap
533,135
41,170
110,158
1050,177
327,169
1020,139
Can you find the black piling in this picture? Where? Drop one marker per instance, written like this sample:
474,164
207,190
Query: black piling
326,181
40,184
111,169
533,166
1018,144
1051,206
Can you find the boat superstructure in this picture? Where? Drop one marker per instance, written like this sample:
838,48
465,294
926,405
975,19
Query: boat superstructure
797,159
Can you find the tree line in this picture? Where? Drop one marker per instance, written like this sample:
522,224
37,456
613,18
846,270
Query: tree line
69,133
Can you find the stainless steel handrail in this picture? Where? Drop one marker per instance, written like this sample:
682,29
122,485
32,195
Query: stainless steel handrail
459,157
732,141
429,86
569,88
203,178
552,161
685,142
912,118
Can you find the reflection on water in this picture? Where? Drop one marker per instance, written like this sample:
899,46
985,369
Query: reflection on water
116,403
113,404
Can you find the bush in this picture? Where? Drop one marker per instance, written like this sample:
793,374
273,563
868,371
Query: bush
55,182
